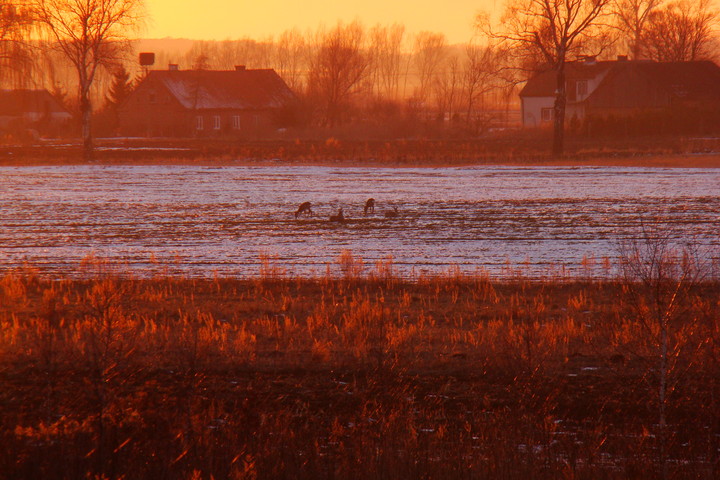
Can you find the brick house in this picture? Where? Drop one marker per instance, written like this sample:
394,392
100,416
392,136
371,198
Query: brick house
32,109
623,89
206,103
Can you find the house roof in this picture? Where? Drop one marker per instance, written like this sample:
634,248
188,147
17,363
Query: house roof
686,80
697,80
15,103
225,89
544,83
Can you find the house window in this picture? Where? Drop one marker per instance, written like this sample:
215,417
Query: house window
582,88
216,122
236,122
547,114
199,123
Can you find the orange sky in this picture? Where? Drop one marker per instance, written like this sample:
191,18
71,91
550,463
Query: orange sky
259,19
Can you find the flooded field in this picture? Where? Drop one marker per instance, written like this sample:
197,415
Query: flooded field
204,220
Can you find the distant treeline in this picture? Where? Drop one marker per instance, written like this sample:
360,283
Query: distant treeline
350,72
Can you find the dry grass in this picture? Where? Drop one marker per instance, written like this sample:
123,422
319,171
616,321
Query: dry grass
516,147
361,376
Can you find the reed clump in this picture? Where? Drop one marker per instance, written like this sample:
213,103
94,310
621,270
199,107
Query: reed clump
361,375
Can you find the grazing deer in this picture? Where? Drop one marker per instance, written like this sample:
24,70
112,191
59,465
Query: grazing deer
304,208
392,214
369,206
339,217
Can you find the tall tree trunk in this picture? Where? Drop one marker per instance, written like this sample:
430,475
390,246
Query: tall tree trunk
637,47
559,120
86,118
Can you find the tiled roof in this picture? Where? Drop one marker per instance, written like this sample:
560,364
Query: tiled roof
235,89
544,84
684,80
14,103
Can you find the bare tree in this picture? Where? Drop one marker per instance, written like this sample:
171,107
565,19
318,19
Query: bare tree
429,53
337,69
202,55
632,18
259,54
663,284
447,85
681,31
291,58
386,55
552,30
91,34
15,23
226,54
51,66
482,75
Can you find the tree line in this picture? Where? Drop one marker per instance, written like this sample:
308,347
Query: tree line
88,35
82,51
549,33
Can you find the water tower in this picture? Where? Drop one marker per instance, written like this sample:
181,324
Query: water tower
147,60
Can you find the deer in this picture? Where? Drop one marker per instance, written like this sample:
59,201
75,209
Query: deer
369,206
392,213
339,217
304,208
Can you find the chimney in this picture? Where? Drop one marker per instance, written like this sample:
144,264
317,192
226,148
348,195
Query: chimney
239,68
622,58
590,60
173,67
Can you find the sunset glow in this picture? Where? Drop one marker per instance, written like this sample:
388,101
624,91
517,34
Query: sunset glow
226,19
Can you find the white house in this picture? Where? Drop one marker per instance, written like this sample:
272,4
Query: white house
621,88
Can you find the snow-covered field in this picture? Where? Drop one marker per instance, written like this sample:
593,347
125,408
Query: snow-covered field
204,220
